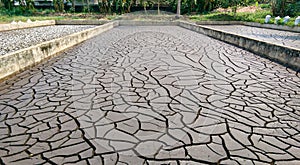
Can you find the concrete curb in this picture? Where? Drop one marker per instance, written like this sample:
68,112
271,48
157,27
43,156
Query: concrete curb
17,61
146,23
23,25
253,24
285,55
81,22
272,26
148,17
219,23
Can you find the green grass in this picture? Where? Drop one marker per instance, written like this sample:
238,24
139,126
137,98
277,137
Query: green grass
249,17
111,17
7,19
258,17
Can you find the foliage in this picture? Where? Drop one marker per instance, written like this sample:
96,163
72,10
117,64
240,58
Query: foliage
108,7
293,9
265,6
285,7
5,19
58,5
248,17
21,10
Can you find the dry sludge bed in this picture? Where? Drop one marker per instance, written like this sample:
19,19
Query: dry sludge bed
14,40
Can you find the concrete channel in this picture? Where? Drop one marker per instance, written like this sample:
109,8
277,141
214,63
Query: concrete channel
151,95
17,61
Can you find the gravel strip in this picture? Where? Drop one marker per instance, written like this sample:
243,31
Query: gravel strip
269,35
11,41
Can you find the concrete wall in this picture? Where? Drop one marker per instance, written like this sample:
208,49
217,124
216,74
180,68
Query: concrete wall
17,61
146,23
23,25
81,22
284,55
148,17
219,23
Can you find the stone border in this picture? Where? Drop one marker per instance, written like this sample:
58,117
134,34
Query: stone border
81,22
146,23
15,62
273,26
23,25
219,22
147,17
285,55
253,24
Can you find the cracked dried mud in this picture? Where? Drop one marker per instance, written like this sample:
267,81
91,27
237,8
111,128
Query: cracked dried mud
152,95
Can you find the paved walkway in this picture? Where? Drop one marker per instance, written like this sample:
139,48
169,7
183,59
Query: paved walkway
152,95
286,38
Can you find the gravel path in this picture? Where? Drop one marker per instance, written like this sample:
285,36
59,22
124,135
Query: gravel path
274,36
11,41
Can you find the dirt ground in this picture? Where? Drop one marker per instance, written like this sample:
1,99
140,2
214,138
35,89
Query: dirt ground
249,9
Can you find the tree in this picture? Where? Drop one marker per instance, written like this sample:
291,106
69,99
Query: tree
158,3
285,7
7,4
58,5
178,8
278,7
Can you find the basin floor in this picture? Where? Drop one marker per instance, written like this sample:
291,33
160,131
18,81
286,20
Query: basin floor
151,95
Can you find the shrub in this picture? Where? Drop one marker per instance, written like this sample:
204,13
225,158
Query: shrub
284,7
265,6
293,9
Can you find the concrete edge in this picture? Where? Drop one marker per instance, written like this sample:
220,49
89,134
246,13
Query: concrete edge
273,26
219,23
81,22
253,24
149,17
15,62
24,25
287,56
146,23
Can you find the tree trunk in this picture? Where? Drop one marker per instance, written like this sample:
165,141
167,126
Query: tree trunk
7,4
73,5
278,7
88,5
145,7
178,8
158,12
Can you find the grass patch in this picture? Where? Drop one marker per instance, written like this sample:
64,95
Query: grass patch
248,17
8,19
258,17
